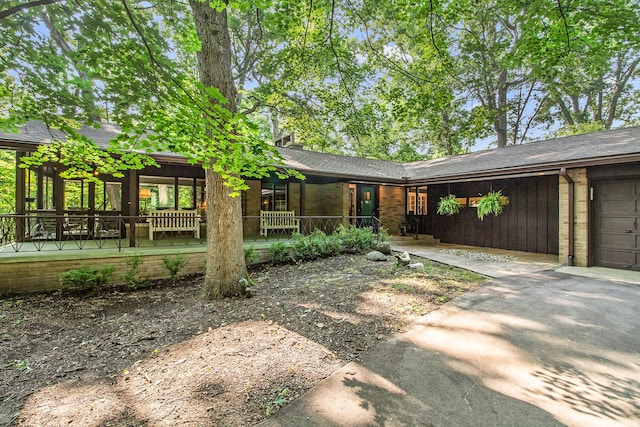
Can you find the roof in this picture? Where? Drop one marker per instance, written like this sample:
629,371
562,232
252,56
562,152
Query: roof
612,146
336,165
37,133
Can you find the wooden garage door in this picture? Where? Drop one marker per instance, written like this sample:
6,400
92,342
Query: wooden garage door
616,214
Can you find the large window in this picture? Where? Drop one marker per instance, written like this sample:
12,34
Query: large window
108,196
76,195
158,192
417,200
39,188
274,197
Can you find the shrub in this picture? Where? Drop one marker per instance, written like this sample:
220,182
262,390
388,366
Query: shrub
250,255
131,277
306,248
383,235
174,265
332,246
354,239
86,277
279,253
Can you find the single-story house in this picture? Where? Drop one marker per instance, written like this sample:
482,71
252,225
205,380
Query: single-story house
577,196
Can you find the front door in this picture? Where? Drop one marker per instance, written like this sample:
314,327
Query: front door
367,203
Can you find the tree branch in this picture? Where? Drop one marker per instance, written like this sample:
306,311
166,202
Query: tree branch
19,8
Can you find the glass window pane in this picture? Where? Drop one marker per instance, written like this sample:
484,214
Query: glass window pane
112,199
8,181
280,200
186,198
75,195
266,203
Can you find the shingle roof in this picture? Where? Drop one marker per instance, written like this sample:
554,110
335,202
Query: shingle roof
36,132
542,155
336,165
572,151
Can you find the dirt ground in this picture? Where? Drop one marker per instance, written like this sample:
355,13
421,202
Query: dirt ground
162,356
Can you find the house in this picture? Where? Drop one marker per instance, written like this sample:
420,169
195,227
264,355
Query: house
577,197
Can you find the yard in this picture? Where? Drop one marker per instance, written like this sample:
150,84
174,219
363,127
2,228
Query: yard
162,356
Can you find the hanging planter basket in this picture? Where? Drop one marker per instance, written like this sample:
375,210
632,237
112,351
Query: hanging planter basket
449,205
492,203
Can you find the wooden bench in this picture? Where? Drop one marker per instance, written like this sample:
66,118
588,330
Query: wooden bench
172,220
278,220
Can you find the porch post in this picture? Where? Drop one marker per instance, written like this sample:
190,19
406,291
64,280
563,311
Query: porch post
132,204
20,198
58,202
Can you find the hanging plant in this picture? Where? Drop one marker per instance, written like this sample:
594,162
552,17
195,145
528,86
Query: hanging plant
492,203
449,205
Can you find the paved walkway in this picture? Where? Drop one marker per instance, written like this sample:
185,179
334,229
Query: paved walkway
532,347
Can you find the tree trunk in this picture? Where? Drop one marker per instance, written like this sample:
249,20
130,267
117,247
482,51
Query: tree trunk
226,270
500,124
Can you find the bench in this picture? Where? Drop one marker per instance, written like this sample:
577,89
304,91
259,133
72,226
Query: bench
278,220
172,220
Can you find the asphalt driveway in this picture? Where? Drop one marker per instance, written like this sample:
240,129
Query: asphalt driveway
535,349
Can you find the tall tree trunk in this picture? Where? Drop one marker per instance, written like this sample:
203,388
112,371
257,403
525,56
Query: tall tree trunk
500,124
226,267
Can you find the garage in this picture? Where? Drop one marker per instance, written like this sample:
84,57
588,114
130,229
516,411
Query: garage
616,210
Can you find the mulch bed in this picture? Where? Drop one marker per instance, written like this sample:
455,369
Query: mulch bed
163,356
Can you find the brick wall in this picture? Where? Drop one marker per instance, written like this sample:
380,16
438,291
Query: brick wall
294,197
253,198
326,199
38,274
581,218
392,207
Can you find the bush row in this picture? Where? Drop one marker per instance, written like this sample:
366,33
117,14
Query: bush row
321,245
90,278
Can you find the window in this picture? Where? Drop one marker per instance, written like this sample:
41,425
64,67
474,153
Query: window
274,197
76,195
163,192
417,200
108,196
186,193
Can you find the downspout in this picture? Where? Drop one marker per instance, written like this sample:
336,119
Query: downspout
571,225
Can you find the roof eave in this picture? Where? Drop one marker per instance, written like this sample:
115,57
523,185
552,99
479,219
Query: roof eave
534,170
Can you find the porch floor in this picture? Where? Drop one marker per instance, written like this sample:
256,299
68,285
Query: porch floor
51,250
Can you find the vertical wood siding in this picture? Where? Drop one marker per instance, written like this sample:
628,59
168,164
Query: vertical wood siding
529,223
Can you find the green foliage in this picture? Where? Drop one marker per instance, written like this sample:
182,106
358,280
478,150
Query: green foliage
86,278
449,205
315,245
279,253
281,400
251,255
355,239
23,365
492,203
131,277
383,235
174,265
7,181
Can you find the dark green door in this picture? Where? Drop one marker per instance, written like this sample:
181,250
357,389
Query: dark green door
367,203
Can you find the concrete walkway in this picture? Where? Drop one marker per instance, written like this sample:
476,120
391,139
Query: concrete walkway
532,347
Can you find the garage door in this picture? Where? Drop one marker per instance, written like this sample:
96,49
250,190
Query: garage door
616,214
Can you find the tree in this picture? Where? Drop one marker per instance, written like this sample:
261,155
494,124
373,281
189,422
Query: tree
589,73
154,94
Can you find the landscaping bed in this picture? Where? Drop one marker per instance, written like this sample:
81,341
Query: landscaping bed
163,356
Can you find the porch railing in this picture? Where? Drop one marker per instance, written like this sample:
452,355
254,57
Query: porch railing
37,232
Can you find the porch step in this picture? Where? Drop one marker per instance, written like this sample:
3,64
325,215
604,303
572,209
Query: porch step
423,239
